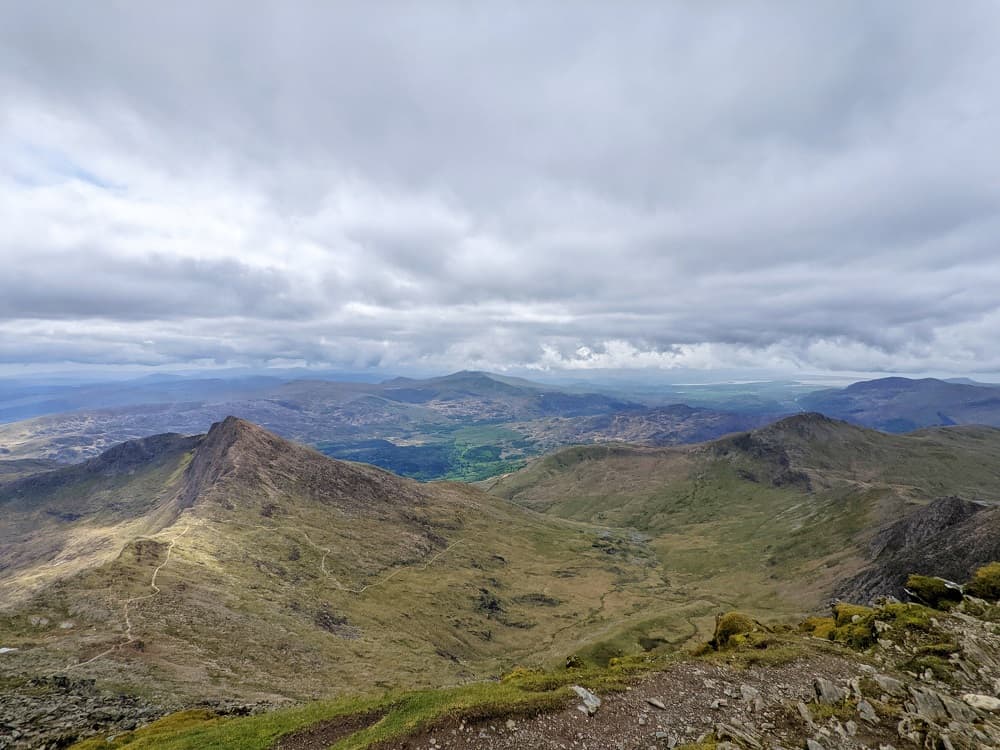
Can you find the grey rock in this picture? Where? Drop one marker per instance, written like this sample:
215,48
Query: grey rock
590,701
867,712
890,685
935,707
827,693
803,710
982,702
742,737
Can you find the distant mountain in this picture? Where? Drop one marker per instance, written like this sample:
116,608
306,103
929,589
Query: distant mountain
22,400
676,424
468,425
902,404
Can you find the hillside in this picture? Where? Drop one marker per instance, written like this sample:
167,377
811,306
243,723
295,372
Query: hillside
788,510
950,538
901,404
239,565
236,566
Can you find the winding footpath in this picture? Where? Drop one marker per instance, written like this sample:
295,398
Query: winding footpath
129,638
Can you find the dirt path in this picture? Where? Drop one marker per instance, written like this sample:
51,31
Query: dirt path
693,698
320,736
129,638
327,552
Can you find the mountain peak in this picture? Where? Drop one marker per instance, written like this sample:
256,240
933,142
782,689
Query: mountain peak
241,464
234,429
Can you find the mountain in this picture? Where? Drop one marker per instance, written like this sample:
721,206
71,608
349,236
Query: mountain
788,510
235,566
238,565
468,425
902,405
676,424
21,400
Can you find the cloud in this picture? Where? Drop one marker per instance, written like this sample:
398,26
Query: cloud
449,185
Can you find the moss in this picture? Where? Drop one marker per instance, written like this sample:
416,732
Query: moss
934,592
518,674
845,613
160,729
730,625
859,636
943,650
942,669
854,626
843,711
907,617
985,583
702,649
820,627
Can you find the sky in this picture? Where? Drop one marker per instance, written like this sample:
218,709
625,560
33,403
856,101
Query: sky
552,187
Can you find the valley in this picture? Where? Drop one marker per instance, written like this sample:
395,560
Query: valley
237,566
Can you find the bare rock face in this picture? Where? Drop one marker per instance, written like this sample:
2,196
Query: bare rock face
949,538
827,693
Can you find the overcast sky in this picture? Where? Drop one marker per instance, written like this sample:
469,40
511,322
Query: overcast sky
431,186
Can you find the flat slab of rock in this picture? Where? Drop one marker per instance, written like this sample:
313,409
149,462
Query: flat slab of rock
827,693
590,701
982,702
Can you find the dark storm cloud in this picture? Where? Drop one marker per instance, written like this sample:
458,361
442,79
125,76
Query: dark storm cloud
453,184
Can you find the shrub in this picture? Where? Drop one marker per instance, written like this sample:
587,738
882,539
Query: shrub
985,583
730,625
934,592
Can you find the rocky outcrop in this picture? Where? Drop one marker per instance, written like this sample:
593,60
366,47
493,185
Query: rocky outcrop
50,712
948,538
241,464
46,713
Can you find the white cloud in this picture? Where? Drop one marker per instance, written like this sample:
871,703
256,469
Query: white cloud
442,186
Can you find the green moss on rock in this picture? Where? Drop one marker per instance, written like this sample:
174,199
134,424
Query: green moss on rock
985,583
934,592
731,626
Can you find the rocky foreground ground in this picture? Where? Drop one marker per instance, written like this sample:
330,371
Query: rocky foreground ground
893,676
927,684
52,712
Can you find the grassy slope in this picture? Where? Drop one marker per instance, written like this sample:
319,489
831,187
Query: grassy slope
76,519
404,713
639,549
763,520
272,591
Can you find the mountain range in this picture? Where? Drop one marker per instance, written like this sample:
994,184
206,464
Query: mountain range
902,404
162,558
468,425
